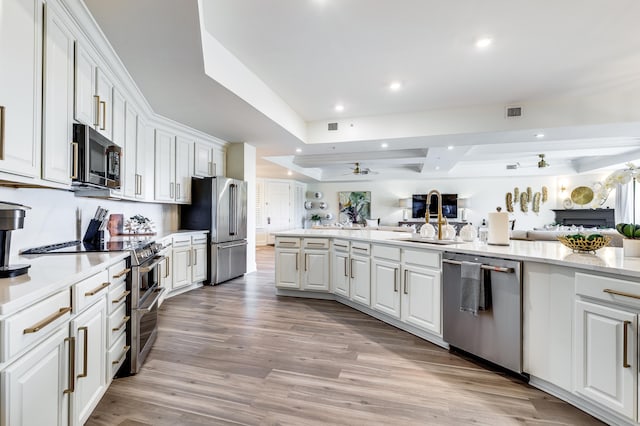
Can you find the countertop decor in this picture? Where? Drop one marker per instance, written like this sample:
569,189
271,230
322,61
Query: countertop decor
585,243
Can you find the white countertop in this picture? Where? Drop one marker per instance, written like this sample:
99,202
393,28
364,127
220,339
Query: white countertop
607,259
49,274
52,273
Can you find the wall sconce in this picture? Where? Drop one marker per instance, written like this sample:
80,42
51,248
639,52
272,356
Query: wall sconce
563,188
405,203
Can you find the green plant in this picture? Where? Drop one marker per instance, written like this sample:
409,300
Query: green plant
629,230
316,217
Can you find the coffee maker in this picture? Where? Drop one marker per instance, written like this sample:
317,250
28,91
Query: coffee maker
11,218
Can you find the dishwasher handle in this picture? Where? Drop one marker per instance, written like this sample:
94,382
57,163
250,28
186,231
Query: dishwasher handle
482,266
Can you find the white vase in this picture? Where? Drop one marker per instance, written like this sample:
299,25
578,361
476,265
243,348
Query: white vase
631,247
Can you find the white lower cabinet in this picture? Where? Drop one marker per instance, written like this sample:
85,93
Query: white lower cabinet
89,331
315,275
199,267
340,272
385,287
186,264
181,267
607,356
35,389
421,298
360,274
287,268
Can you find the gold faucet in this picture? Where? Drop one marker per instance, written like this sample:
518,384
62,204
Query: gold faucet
440,218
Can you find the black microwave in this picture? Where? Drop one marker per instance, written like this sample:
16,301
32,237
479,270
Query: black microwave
95,159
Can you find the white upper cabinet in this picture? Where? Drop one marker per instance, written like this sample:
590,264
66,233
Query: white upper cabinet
165,172
20,86
219,162
85,108
129,172
141,164
203,160
184,168
119,137
58,99
93,93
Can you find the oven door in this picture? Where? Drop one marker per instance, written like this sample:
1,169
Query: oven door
146,295
146,328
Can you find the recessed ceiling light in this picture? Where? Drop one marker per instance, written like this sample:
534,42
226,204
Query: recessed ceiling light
539,135
289,172
339,107
437,167
298,150
384,145
450,147
395,85
484,42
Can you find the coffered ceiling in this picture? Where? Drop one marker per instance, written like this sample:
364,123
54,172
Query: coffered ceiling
270,73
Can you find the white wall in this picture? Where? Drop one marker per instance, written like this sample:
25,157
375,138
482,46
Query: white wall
483,195
53,215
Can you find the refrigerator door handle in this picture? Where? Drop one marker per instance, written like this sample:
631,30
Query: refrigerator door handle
232,209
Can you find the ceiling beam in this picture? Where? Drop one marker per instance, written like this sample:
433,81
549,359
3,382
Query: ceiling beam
589,164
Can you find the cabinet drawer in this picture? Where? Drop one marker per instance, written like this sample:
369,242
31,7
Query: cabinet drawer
315,243
362,249
117,324
341,245
199,239
614,290
117,296
429,259
287,242
118,272
86,292
34,323
181,241
385,252
117,354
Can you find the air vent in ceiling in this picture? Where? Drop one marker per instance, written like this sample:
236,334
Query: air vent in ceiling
513,166
332,126
513,111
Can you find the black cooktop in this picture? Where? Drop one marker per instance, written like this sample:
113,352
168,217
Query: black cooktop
77,246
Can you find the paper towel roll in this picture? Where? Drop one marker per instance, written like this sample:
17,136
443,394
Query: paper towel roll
499,228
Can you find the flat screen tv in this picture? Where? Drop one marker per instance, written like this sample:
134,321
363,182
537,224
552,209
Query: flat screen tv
449,206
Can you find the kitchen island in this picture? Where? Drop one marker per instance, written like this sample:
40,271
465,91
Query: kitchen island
579,311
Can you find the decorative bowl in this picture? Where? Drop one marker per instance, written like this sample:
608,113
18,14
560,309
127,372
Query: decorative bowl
584,243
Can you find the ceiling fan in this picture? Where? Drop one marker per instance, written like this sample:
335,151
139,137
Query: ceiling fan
358,171
542,163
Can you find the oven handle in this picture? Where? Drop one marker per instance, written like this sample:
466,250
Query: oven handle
149,307
146,269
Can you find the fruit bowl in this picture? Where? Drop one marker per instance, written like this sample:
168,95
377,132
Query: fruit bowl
585,243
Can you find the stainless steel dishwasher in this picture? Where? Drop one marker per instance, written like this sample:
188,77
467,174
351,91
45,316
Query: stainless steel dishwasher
496,333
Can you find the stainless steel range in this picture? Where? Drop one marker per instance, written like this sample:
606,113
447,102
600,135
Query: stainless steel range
144,280
145,295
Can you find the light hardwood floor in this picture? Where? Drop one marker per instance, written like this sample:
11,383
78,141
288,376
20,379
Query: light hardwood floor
238,354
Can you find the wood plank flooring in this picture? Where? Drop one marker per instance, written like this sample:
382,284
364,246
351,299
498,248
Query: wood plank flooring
238,354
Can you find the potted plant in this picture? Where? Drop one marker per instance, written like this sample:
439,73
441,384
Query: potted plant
631,241
315,219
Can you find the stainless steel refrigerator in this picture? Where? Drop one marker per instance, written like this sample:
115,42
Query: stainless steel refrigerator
219,205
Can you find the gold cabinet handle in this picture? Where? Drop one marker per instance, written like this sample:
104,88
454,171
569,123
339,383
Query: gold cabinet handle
395,279
360,248
625,344
85,352
124,353
124,322
315,244
97,117
122,297
621,293
74,147
72,364
48,320
122,273
167,268
3,111
104,115
97,289
351,268
306,262
178,191
339,245
195,257
171,190
296,261
406,281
